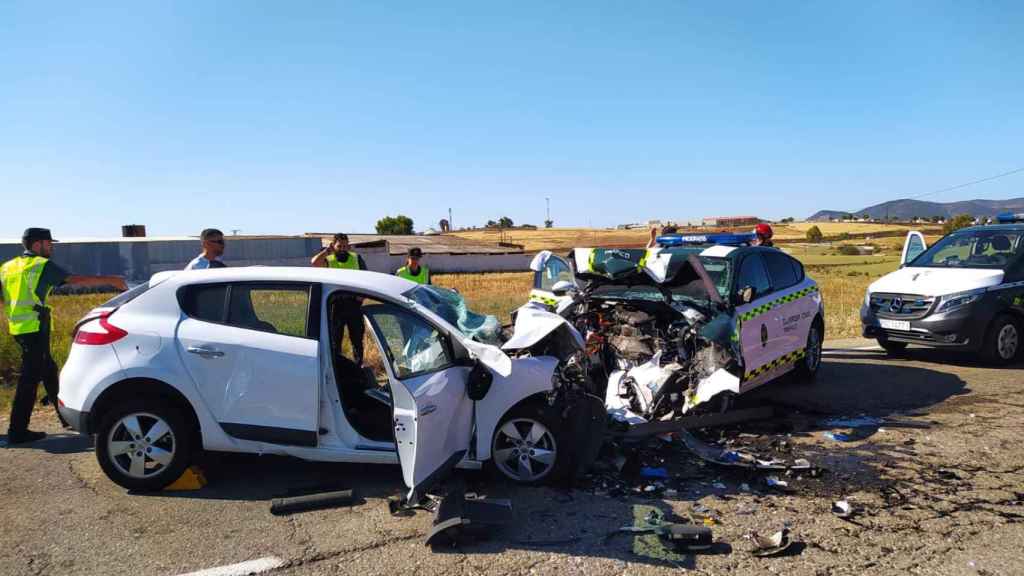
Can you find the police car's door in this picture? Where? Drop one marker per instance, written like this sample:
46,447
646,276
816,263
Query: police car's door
913,246
758,328
431,413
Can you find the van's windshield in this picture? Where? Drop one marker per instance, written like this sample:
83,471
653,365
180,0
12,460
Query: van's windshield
977,248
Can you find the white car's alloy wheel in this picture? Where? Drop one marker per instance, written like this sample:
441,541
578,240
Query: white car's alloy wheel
141,445
524,450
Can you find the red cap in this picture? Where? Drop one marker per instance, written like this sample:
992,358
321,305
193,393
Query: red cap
764,231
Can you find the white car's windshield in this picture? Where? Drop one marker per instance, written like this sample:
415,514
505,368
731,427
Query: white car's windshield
977,248
452,308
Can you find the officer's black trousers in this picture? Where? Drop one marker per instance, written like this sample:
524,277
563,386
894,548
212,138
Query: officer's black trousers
36,365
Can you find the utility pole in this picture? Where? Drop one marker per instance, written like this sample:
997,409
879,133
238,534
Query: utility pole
451,223
547,200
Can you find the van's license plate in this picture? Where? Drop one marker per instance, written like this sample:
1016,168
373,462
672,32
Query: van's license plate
903,325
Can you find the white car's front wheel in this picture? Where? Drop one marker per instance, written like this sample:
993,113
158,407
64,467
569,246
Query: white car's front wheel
143,444
527,447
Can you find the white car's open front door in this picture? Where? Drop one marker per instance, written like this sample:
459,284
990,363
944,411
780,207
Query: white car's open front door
432,415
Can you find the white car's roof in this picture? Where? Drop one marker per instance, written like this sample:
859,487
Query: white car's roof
356,279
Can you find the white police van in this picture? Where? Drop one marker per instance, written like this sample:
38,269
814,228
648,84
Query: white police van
965,292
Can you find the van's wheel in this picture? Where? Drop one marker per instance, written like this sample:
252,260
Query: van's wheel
528,445
892,348
143,444
1002,343
807,367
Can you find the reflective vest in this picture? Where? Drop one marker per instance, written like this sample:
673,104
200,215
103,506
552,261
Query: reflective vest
352,263
422,278
20,277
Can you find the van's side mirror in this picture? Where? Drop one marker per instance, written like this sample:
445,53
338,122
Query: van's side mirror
479,382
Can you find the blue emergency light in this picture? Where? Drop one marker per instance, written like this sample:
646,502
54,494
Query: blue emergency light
671,240
1009,218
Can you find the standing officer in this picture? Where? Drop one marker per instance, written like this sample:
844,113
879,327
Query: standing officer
348,313
25,282
763,236
413,270
338,255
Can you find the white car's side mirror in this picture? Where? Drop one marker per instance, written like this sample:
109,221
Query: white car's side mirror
563,287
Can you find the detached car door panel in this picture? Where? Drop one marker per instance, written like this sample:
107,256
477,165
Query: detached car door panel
254,361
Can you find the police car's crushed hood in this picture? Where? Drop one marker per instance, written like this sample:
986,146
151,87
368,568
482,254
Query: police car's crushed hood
935,281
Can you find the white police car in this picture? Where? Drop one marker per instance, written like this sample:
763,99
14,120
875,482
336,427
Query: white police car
966,292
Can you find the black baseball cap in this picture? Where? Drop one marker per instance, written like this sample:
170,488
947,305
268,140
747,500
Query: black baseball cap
33,234
415,253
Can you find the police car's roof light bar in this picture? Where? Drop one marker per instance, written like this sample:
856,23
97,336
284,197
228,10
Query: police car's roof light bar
1010,218
671,240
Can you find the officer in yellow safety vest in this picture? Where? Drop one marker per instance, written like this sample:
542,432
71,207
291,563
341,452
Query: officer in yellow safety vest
347,313
413,270
338,255
25,282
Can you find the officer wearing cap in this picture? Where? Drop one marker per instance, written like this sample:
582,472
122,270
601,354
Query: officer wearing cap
763,235
413,270
25,282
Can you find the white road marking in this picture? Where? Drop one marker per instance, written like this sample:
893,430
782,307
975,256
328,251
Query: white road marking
258,566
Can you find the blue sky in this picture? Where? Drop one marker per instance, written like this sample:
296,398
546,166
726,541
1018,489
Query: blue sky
285,117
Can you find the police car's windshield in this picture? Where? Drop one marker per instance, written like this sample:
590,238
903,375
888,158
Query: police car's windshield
976,248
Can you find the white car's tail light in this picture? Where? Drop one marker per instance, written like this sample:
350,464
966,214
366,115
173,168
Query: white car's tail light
98,332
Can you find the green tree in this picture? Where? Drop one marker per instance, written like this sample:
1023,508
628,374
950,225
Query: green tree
505,222
549,223
814,234
957,222
400,224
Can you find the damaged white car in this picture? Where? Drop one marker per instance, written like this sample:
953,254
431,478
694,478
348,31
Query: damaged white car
319,364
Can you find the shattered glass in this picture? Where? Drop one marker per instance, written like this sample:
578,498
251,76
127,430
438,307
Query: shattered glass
451,306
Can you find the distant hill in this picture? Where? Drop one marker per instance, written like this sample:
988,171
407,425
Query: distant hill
907,209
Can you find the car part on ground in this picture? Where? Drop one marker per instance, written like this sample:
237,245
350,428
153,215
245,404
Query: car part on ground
307,502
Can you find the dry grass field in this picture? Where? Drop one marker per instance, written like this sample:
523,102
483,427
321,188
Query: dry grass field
558,239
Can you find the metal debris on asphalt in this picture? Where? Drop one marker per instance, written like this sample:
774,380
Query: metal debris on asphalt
843,509
772,546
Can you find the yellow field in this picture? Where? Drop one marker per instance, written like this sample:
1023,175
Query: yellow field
561,239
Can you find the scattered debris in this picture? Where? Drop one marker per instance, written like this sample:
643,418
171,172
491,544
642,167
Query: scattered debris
650,472
725,457
854,422
460,519
773,546
669,539
282,506
843,509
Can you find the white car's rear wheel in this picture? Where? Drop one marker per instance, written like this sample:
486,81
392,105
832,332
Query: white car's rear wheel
143,444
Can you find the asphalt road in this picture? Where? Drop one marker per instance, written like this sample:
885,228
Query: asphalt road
941,500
